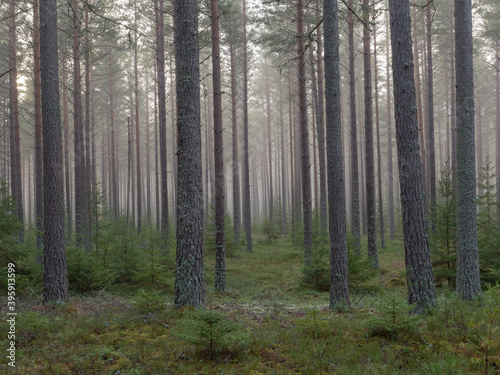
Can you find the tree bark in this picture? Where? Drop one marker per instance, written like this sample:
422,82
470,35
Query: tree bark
137,125
369,163
468,281
339,271
189,278
431,151
304,137
55,277
355,222
234,120
38,133
162,119
220,251
247,215
15,146
420,279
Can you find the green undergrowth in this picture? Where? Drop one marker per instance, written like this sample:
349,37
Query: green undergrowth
267,322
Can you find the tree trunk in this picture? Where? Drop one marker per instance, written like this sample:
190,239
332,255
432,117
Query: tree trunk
67,176
369,164
247,217
148,158
431,151
114,167
304,137
355,222
420,279
283,168
55,276
390,169
189,278
38,133
339,271
468,281
162,119
379,155
81,207
220,256
137,125
418,88
15,146
269,140
88,165
234,120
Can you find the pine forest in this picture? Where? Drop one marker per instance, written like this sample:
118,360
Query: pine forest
250,187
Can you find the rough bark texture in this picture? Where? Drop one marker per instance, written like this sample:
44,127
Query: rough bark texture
371,212
339,271
355,223
38,130
269,140
468,282
247,215
304,137
189,278
162,116
420,279
55,277
220,252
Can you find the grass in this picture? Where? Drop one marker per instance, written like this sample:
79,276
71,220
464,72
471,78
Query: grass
281,327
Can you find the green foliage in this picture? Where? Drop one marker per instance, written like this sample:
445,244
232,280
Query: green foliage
85,272
209,238
153,271
487,225
9,224
148,301
317,273
443,239
315,325
394,320
209,331
270,230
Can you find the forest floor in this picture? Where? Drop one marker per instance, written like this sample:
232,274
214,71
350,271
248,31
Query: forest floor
267,322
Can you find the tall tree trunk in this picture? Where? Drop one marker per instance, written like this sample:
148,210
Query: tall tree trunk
162,123
369,163
453,114
355,222
55,276
283,168
189,277
420,280
269,140
379,155
468,281
497,79
148,158
88,165
390,169
304,137
38,133
174,145
158,198
114,167
431,151
339,271
220,252
247,215
15,146
234,120
81,207
137,125
320,125
67,174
